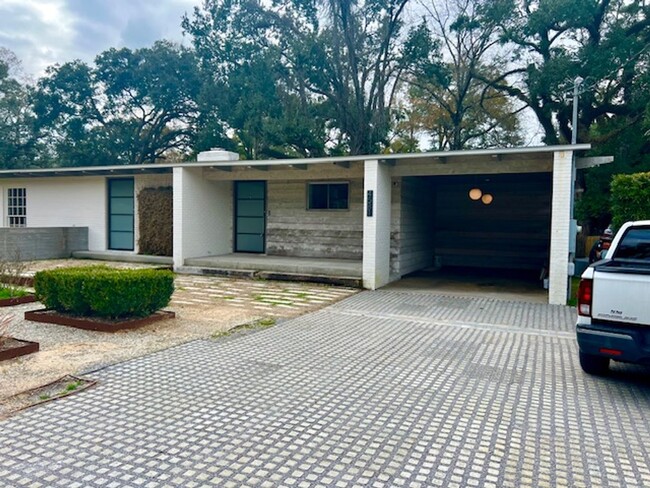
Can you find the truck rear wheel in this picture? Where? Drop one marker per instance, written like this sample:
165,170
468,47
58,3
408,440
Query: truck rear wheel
592,364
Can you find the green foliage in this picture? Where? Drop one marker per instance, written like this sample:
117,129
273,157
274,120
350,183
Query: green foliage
449,98
630,198
130,107
313,69
18,141
104,292
11,293
155,211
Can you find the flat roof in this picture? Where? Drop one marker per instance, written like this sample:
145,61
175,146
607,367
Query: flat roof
165,168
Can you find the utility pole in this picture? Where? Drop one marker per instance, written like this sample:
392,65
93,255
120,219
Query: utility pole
574,122
573,229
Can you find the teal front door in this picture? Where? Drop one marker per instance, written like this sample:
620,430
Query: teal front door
120,214
250,216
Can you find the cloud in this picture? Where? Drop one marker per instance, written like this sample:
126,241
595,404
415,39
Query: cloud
44,32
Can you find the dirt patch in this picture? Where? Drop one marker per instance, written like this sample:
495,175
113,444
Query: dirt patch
60,388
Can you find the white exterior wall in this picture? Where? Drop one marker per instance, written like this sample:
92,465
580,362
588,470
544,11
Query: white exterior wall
376,229
560,227
64,202
202,215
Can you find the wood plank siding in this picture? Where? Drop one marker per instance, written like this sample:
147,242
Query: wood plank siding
413,226
292,230
512,232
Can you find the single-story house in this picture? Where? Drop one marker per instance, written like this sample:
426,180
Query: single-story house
376,218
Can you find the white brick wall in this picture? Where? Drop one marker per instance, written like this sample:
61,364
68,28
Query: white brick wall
560,225
376,229
202,215
64,202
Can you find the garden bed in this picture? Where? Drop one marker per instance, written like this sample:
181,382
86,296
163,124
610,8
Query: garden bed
101,324
8,302
12,348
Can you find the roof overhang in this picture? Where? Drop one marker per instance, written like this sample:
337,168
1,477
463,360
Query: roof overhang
476,155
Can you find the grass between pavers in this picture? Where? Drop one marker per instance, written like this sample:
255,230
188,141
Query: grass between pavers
260,324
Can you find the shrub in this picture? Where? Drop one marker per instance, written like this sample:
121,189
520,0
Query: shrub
104,292
630,198
155,217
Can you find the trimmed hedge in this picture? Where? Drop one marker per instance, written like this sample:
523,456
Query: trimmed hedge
104,292
630,198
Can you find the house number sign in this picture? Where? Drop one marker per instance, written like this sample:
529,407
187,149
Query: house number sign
369,203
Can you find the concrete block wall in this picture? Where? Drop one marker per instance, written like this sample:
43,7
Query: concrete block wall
203,215
29,243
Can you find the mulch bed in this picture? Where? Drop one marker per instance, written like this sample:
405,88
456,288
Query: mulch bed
50,316
8,302
57,389
12,348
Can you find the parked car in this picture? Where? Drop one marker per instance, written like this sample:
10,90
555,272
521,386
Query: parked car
613,313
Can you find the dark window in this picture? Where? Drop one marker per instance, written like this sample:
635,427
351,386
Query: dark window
635,245
328,196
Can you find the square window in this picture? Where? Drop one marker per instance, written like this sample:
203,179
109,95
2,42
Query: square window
328,196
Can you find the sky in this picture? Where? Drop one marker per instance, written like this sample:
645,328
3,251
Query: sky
45,32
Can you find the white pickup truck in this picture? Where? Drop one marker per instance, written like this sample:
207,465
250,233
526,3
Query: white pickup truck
614,303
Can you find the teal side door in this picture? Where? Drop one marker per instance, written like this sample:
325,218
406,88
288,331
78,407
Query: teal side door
120,214
250,216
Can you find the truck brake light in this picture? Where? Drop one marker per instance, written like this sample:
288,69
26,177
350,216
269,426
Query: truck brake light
584,297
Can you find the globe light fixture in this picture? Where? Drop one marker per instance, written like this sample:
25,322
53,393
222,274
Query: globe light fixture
487,198
475,194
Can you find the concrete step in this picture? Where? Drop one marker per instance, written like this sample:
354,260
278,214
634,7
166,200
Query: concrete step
350,281
127,257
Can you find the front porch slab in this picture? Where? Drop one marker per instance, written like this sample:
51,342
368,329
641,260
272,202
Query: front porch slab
346,272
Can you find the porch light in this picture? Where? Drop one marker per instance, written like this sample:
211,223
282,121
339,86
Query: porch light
487,199
475,193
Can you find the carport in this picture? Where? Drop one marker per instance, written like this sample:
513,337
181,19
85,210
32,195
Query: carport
503,209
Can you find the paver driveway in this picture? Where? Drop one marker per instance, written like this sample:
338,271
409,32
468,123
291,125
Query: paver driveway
385,388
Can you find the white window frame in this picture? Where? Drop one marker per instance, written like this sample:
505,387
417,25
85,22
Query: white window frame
16,207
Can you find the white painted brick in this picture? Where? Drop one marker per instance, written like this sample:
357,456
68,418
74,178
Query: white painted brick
64,202
560,227
202,215
376,229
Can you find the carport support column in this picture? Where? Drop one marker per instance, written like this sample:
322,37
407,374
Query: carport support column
376,224
178,197
560,227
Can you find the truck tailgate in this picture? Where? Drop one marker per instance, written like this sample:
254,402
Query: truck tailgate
621,297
